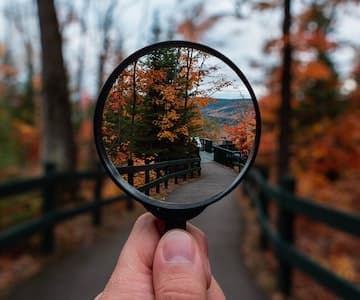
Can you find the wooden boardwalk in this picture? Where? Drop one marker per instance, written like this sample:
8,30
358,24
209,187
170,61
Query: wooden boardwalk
83,274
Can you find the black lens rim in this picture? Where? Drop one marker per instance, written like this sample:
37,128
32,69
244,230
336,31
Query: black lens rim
161,208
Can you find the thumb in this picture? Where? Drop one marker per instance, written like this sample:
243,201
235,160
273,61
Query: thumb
179,271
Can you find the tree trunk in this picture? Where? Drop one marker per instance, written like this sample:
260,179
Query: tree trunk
106,24
285,108
58,140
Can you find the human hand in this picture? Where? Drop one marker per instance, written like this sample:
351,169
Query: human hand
156,266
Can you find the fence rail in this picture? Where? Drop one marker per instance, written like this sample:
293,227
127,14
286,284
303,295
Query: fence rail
164,170
228,157
261,193
52,215
281,239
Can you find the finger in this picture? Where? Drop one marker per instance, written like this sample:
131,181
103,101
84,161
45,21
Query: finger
215,292
202,242
178,268
98,297
199,236
132,277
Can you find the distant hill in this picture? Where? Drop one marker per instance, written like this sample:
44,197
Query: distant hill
226,111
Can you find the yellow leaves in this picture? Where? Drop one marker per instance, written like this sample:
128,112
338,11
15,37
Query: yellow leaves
344,266
196,122
26,131
110,189
167,135
183,130
172,135
169,93
172,115
168,120
169,129
201,101
158,99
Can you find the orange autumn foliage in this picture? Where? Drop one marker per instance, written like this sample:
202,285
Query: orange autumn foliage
28,137
243,134
325,150
158,104
313,70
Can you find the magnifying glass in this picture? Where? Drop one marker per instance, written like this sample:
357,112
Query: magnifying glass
173,121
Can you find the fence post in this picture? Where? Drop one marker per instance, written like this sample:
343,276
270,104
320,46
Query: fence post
263,198
48,207
97,217
285,224
158,175
166,184
147,176
176,178
185,174
129,200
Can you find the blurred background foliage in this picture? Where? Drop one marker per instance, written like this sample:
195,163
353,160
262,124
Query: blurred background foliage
95,36
55,56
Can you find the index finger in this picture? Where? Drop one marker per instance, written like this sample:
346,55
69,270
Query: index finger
135,262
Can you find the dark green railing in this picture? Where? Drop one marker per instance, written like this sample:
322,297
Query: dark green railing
228,157
164,171
52,181
282,238
50,213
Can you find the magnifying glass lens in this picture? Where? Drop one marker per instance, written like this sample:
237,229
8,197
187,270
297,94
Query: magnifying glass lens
177,126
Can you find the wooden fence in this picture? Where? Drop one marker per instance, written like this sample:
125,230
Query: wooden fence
228,157
164,171
52,180
281,239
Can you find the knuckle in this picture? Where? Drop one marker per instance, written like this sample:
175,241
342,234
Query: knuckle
176,288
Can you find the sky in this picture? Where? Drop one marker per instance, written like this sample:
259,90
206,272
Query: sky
241,40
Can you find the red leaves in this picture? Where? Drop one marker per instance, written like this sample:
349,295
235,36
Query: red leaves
243,134
315,70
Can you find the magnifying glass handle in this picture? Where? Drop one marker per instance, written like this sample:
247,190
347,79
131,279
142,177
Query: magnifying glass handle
175,225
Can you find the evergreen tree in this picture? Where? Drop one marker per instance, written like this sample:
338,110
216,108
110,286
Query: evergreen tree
153,109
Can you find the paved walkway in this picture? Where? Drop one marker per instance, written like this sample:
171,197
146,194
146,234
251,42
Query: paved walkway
221,222
214,179
83,274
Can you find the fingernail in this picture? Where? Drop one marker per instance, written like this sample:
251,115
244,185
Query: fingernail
178,247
